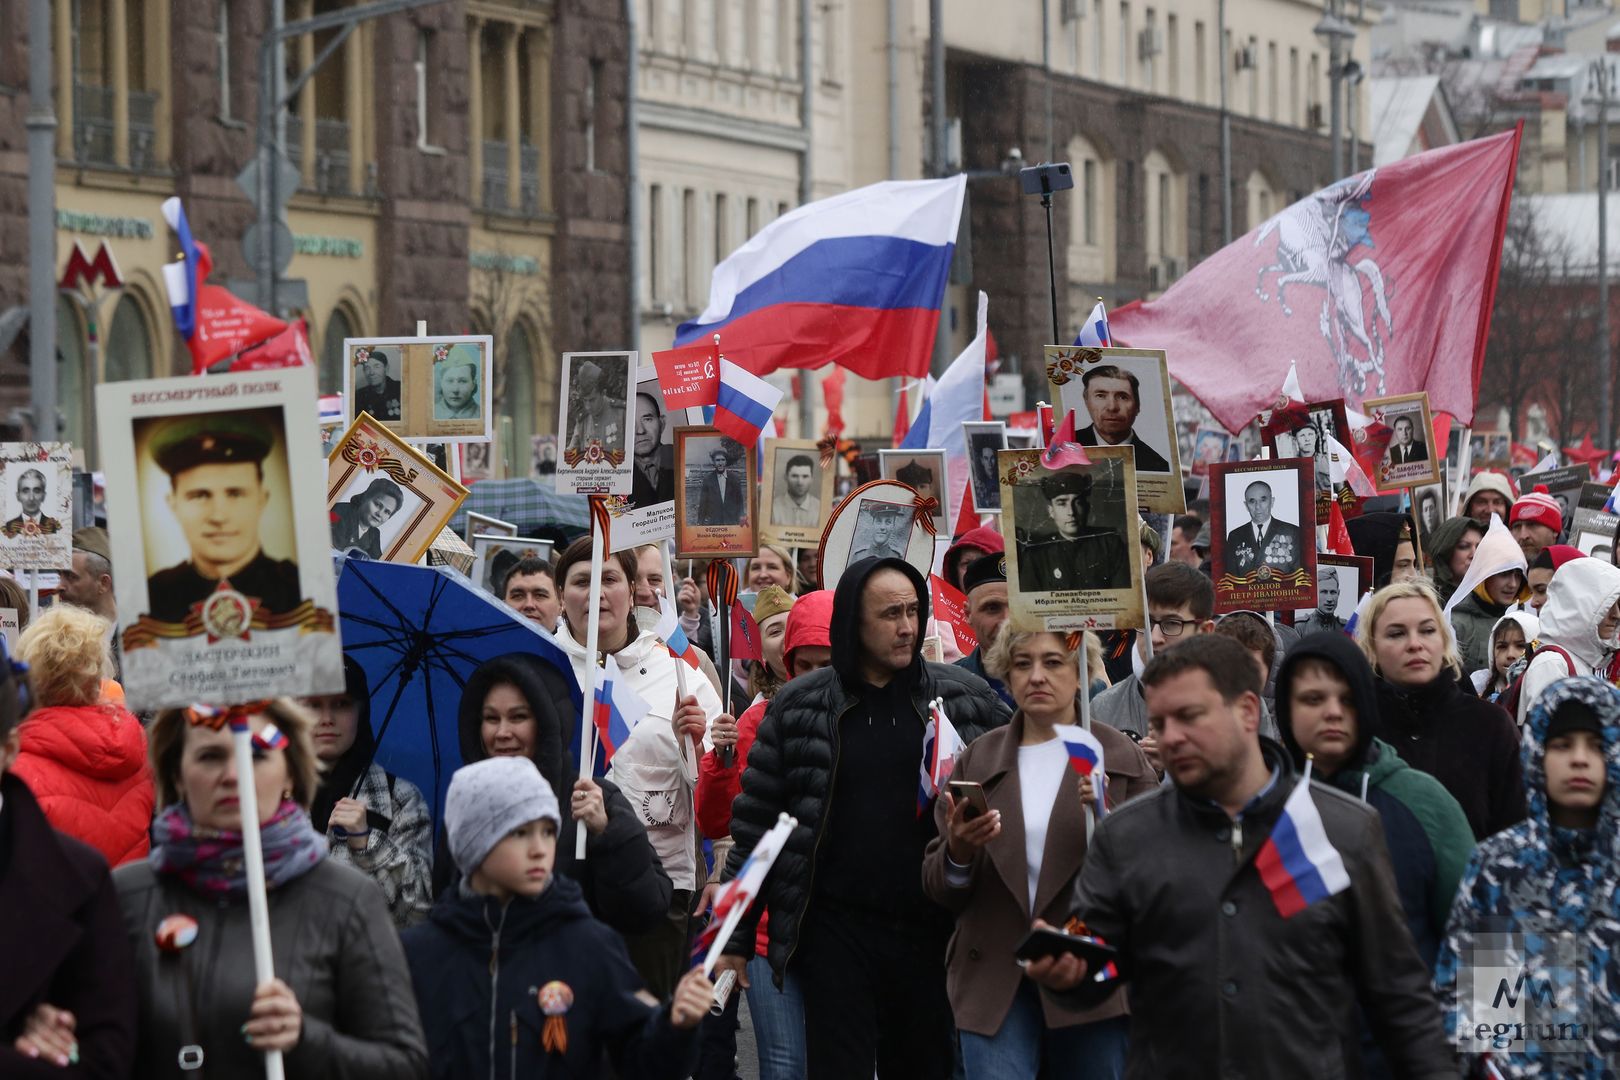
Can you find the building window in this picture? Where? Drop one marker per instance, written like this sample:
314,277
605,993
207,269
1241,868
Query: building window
1254,77
112,57
519,388
425,125
753,218
787,37
1097,71
1313,112
722,228
1271,81
1166,221
222,53
593,81
128,343
1091,228
338,327
655,242
1200,64
76,380
686,250
1293,87
1172,53
1147,48
1125,50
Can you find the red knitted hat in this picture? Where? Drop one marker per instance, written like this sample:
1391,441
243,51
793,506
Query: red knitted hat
1539,507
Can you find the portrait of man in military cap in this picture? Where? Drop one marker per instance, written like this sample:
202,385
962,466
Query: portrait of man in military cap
1068,551
882,531
924,472
376,382
1340,582
218,494
31,518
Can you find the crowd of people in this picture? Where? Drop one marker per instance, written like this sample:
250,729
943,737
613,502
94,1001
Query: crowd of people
1458,747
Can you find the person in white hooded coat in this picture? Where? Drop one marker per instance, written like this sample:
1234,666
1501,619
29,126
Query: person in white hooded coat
656,773
1582,618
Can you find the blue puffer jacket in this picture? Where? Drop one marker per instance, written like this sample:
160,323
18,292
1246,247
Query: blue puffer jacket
1537,921
482,1016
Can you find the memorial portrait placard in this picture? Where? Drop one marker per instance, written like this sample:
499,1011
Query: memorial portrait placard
36,506
223,570
432,389
1074,557
1263,535
1121,397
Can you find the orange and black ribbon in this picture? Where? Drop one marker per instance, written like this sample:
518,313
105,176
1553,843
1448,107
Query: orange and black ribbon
923,511
237,716
1075,640
600,517
722,581
828,447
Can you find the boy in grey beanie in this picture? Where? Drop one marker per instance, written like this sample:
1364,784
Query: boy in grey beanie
502,819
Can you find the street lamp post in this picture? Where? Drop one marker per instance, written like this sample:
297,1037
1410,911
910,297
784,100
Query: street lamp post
1601,75
1334,32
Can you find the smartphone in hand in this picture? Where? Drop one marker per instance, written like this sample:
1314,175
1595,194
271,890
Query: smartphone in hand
972,793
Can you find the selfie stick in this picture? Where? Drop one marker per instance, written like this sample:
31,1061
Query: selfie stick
264,967
689,755
587,678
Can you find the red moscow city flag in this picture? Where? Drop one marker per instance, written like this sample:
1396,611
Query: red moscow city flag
1379,284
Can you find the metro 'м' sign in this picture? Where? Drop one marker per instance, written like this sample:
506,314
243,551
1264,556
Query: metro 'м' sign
84,271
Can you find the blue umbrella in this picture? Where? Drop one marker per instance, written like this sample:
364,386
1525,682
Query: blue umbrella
419,632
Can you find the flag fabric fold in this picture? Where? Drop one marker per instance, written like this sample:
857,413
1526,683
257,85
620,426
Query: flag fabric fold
1379,284
1094,332
1297,863
616,710
1064,448
941,745
744,404
735,897
1086,758
855,279
957,397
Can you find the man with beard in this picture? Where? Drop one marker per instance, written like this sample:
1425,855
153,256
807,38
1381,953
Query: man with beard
796,503
1184,883
650,482
1114,399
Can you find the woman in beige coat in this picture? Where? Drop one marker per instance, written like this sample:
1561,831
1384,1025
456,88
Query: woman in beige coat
1001,870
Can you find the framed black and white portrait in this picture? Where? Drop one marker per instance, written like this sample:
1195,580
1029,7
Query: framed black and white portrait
1121,397
985,439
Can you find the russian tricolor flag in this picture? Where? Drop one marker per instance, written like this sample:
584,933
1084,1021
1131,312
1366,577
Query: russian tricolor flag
855,279
744,404
1094,333
616,710
1085,757
941,745
674,638
1297,863
182,279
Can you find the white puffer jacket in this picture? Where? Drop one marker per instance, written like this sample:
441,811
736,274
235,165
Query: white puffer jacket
1580,595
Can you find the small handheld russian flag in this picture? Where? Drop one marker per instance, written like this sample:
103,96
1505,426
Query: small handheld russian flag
674,638
1086,758
745,403
1095,331
736,896
941,745
1297,862
616,710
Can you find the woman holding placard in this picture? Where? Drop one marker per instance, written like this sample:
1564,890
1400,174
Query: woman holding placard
1012,839
342,1003
652,767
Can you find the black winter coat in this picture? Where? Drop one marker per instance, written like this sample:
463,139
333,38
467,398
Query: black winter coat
475,964
793,765
1219,982
1470,746
623,882
62,939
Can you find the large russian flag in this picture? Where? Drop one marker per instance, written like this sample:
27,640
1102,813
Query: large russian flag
854,279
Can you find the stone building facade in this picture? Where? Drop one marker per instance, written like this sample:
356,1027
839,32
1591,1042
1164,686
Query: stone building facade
461,164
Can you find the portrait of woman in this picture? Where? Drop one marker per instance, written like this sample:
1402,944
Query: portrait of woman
357,523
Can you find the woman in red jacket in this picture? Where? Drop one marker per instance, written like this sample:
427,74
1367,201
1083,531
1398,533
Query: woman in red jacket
83,758
778,1015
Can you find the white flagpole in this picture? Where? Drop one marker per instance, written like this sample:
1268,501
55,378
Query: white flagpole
689,754
1085,725
587,730
264,965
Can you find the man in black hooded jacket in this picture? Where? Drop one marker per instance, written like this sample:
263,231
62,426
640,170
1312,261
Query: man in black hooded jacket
840,750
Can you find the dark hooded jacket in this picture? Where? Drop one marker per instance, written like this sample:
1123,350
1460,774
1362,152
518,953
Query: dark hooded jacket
1558,890
1426,831
824,755
1378,535
621,879
1219,982
1469,745
1442,543
477,966
984,538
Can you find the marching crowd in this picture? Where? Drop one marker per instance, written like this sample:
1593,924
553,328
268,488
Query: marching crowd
1461,739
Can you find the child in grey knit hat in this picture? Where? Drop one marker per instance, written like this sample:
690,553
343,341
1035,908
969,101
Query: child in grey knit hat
502,819
515,953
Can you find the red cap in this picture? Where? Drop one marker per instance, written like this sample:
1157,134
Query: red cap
1539,507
